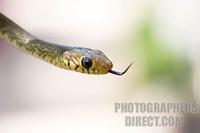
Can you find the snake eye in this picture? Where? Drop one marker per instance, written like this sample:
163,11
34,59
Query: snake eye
86,62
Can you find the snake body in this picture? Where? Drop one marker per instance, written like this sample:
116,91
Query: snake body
78,59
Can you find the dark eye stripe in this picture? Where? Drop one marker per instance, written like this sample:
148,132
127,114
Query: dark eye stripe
77,66
88,71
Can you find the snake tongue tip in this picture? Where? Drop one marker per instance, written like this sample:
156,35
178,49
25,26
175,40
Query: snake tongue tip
120,73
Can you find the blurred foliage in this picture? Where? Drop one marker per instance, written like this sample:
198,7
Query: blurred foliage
160,62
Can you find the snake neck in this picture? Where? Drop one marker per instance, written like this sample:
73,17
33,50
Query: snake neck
51,53
12,33
16,36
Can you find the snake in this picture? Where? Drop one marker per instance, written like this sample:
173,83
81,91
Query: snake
78,59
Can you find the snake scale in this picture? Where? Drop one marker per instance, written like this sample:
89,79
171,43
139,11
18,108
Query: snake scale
78,59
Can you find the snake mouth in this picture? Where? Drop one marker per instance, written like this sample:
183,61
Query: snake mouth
120,73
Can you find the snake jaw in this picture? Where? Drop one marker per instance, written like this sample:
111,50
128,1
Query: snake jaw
120,73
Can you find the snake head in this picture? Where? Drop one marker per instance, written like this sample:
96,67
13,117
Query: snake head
86,60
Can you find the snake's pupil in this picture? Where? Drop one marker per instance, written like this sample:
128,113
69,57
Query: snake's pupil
86,62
